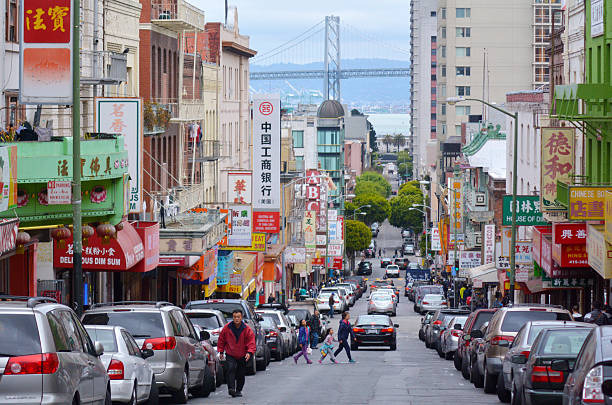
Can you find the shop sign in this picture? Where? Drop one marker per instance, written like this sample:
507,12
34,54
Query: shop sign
334,249
341,226
527,210
310,230
557,157
522,274
258,244
570,255
241,220
336,263
568,272
436,243
266,163
608,217
536,235
173,261
332,231
523,253
149,234
587,203
123,116
332,215
597,18
182,246
569,233
599,252
59,192
295,255
456,203
469,260
8,235
210,288
567,283
239,187
8,177
321,240
489,244
502,263
45,52
546,255
225,266
451,240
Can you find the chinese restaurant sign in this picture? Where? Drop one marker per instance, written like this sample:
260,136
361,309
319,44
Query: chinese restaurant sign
258,244
241,225
569,233
45,52
239,187
123,116
436,243
557,157
587,203
489,243
527,212
570,255
266,164
608,217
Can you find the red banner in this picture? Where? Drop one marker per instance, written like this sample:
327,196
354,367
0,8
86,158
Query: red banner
570,255
266,222
546,255
569,233
538,232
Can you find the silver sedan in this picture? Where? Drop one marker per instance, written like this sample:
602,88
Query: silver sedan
131,377
382,303
433,302
449,341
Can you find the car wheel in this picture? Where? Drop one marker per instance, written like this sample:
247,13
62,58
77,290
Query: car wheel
414,308
465,370
475,376
421,336
394,345
502,393
439,350
457,361
449,355
490,381
279,354
181,396
108,399
262,364
153,393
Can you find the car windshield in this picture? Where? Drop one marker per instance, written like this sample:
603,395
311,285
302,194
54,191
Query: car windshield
226,308
139,324
514,320
481,318
324,295
18,335
105,336
381,297
459,320
268,321
373,320
567,341
299,314
205,321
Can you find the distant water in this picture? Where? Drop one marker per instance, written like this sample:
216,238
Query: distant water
390,123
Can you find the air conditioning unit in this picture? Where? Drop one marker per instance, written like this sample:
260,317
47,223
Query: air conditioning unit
481,199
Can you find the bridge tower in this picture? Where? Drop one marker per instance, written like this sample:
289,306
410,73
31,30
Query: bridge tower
332,72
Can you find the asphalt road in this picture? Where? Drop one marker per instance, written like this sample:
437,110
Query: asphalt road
410,375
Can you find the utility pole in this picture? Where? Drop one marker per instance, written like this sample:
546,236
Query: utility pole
77,258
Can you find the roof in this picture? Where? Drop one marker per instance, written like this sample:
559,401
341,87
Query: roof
330,109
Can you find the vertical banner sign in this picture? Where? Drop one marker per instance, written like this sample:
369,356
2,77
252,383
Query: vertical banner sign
239,187
241,218
436,243
266,164
310,229
124,116
489,244
557,164
45,52
7,168
608,216
456,203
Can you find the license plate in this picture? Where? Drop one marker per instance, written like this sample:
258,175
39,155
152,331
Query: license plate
371,331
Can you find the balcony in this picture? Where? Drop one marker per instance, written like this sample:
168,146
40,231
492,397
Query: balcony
157,116
177,15
103,67
190,111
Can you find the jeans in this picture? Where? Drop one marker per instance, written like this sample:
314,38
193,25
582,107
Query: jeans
235,371
344,345
331,312
314,341
303,352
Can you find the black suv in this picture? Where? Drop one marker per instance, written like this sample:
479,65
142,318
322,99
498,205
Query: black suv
364,268
227,306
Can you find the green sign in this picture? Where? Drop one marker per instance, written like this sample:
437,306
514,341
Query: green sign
527,210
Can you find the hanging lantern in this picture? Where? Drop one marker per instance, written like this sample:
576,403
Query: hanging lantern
88,232
22,239
60,235
106,231
119,226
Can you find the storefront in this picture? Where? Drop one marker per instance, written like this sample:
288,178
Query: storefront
243,280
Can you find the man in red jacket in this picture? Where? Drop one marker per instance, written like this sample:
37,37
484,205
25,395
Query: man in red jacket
237,340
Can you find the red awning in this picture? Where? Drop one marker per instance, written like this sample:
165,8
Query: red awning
121,253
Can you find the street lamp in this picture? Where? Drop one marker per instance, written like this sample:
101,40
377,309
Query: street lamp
359,213
455,100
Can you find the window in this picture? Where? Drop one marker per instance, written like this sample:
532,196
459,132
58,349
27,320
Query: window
433,14
433,103
443,90
458,130
433,116
443,70
443,51
542,34
433,51
463,71
541,73
463,32
443,109
540,54
463,12
298,139
433,90
462,110
443,129
19,334
443,31
443,12
462,90
11,22
433,78
462,51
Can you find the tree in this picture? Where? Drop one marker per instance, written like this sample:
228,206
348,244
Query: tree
388,140
412,188
378,211
401,214
405,170
399,140
376,178
373,143
358,237
369,187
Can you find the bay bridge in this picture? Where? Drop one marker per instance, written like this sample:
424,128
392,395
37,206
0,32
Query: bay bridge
322,43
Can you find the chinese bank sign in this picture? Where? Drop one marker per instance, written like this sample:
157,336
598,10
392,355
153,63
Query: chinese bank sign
266,164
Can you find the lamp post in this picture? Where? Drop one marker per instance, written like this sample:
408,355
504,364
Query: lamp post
425,183
454,100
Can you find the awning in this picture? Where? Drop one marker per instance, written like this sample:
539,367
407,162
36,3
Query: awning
120,253
487,273
248,289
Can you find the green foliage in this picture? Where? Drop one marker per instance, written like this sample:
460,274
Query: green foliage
375,178
358,236
405,169
402,216
368,187
404,156
387,141
378,212
373,143
399,140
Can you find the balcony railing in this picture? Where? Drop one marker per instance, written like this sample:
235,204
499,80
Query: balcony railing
177,15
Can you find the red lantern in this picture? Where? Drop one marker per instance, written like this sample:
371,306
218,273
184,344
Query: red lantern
22,239
119,226
60,235
87,232
106,231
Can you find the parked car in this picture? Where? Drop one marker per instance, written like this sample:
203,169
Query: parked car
359,279
426,320
385,261
421,291
260,361
214,362
179,361
589,378
42,341
392,270
412,290
432,302
287,335
389,290
370,251
276,341
513,366
504,326
449,341
374,330
405,233
364,268
322,302
351,290
375,229
553,353
341,293
131,376
474,321
382,303
210,320
432,331
409,249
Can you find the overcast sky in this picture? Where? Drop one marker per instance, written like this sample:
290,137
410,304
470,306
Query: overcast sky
270,23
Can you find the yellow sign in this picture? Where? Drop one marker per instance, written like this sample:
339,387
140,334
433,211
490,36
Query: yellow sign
608,216
599,251
210,288
258,244
587,203
455,186
557,157
228,288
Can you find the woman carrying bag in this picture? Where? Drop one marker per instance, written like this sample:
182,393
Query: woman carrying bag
303,341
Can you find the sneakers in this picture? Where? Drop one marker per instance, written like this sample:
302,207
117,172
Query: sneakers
352,361
232,393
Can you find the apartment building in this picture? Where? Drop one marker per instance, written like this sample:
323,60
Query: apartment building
423,75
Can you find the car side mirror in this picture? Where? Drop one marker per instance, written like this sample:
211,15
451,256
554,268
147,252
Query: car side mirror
457,326
476,334
561,365
204,335
146,353
518,359
282,329
396,325
503,343
98,348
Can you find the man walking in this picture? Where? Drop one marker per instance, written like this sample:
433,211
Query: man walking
315,327
237,340
344,330
596,316
331,305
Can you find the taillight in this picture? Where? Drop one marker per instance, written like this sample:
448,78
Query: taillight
45,363
443,302
455,333
272,333
436,322
358,330
545,374
115,370
165,343
591,390
387,330
525,353
427,303
496,339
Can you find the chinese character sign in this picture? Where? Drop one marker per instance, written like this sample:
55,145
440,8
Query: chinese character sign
455,187
569,233
123,116
608,217
239,187
436,243
587,203
241,226
310,229
45,52
489,243
557,163
527,210
266,163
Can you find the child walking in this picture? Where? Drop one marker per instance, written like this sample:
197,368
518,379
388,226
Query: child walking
328,346
303,340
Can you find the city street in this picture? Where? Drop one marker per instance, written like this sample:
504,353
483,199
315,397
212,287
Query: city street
410,375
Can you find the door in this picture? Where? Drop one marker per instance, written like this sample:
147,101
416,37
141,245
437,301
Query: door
142,370
99,375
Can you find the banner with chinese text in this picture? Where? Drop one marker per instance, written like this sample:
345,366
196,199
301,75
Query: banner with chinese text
310,229
527,210
241,219
488,242
557,163
587,203
455,186
239,187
